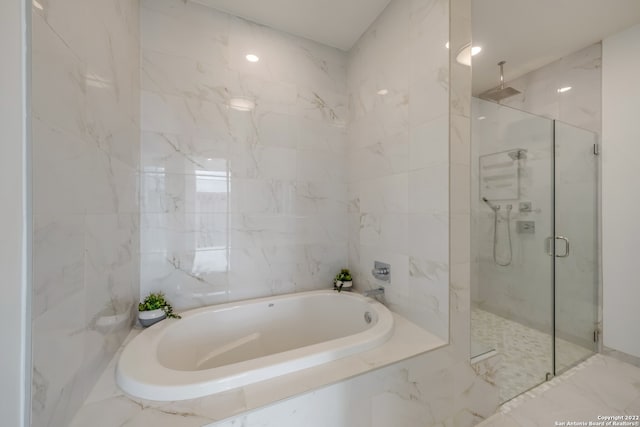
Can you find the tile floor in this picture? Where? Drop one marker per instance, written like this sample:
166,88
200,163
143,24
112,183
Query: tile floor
599,387
525,352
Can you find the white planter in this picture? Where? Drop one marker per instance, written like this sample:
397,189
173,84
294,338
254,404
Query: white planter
148,318
345,285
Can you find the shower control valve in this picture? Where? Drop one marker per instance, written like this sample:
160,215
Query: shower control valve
381,271
525,207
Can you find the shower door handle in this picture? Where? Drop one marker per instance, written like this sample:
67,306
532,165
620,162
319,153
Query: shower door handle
567,246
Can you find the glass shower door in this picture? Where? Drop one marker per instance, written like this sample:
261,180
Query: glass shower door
576,253
512,214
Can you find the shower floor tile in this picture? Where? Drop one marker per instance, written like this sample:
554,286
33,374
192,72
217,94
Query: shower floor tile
526,352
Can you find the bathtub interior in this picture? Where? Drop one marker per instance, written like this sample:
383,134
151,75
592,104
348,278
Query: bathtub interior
207,339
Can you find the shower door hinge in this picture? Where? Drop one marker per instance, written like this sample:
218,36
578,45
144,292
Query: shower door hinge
596,149
596,335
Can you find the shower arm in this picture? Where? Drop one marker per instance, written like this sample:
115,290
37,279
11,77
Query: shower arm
501,64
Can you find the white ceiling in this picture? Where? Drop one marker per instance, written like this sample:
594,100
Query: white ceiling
531,33
337,23
528,34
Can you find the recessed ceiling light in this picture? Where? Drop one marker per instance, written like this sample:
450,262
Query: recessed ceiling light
383,92
242,104
37,5
564,89
481,118
447,45
252,58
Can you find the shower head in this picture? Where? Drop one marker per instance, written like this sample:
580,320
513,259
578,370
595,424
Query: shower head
499,93
518,154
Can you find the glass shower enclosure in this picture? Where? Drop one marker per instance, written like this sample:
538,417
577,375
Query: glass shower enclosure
534,245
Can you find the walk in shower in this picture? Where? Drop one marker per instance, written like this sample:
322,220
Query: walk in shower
534,245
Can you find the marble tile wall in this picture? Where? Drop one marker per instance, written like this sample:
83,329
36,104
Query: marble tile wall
394,141
398,133
85,156
238,204
427,389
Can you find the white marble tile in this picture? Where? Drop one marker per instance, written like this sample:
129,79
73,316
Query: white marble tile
206,78
58,361
576,396
322,165
202,277
54,61
386,194
429,295
255,230
429,88
426,192
328,229
429,235
203,192
169,153
325,106
386,157
111,275
249,161
59,161
391,409
275,196
390,231
460,139
57,274
320,197
181,232
162,29
185,116
111,186
399,146
429,144
283,163
314,135
85,132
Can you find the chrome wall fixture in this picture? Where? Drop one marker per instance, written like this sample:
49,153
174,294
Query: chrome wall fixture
381,271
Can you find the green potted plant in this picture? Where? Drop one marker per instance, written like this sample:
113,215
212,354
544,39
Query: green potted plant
154,308
343,280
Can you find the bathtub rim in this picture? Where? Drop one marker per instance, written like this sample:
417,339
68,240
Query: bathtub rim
138,372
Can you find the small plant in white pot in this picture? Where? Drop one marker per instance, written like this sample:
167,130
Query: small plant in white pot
343,280
154,308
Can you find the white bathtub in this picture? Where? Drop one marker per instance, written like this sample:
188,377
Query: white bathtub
217,348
